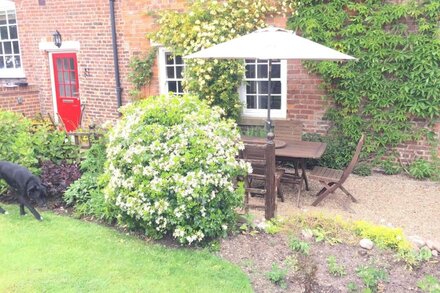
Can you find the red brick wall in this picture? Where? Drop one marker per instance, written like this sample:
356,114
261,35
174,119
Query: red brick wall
20,99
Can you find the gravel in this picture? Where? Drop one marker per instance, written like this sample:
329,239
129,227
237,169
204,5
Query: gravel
396,201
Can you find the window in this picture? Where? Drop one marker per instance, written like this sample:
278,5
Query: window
171,69
254,92
10,58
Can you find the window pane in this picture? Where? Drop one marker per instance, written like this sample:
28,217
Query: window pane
8,47
2,62
74,91
179,87
262,70
263,87
66,63
17,61
170,72
172,86
276,70
1,48
72,64
251,102
4,33
179,60
66,77
250,71
2,17
169,59
60,77
9,61
68,90
11,17
262,101
275,102
251,87
62,92
276,87
13,32
179,70
16,47
59,65
72,77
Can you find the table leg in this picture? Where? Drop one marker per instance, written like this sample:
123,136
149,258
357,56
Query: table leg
304,176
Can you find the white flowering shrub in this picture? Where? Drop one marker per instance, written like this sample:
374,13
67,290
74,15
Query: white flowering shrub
171,166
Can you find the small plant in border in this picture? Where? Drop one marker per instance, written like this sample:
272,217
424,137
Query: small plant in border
334,267
277,275
297,245
371,277
429,284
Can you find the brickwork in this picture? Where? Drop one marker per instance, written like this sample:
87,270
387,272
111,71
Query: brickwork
20,99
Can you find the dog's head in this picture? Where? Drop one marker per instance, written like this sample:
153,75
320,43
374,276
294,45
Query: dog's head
38,193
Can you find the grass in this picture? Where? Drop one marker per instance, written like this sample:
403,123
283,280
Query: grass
61,254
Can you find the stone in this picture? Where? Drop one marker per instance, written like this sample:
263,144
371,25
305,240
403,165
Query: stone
417,241
307,234
366,243
433,245
434,253
362,252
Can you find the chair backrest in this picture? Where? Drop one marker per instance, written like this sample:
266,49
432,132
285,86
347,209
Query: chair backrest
354,160
288,129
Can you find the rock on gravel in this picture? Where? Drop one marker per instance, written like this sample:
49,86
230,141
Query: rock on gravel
417,241
366,243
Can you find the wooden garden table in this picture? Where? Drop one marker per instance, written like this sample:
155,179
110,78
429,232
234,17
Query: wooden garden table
293,150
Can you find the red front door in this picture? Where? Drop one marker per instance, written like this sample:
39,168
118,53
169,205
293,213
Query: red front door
67,89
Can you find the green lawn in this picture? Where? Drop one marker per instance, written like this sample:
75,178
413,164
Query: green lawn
62,254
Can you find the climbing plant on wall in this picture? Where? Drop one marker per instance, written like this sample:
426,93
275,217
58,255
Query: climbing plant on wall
397,77
207,23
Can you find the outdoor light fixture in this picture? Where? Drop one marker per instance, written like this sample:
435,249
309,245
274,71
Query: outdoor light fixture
57,40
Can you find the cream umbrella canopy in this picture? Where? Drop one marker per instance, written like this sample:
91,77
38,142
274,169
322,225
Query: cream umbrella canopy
268,44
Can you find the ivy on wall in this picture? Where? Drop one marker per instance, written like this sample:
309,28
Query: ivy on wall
207,23
397,77
141,71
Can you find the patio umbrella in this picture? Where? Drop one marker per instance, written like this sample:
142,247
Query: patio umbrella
268,44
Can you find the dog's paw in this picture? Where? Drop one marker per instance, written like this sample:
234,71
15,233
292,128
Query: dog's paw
6,213
41,219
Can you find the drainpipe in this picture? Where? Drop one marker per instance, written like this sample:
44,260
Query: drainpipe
115,54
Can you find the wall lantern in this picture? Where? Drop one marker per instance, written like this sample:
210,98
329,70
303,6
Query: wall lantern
57,40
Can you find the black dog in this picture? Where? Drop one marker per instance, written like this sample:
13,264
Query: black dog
25,184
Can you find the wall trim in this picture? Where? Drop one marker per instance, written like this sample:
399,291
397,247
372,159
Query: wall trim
66,46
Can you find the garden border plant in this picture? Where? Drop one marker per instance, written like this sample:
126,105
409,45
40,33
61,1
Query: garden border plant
395,80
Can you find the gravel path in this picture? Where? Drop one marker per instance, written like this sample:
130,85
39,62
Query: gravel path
396,201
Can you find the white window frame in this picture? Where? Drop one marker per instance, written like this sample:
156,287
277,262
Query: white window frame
261,113
163,79
6,5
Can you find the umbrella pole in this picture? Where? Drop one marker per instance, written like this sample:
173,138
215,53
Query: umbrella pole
269,85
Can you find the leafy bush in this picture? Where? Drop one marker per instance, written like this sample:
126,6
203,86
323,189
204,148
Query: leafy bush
429,284
334,268
53,145
384,237
297,245
58,178
371,277
171,168
86,194
362,169
277,276
421,169
390,167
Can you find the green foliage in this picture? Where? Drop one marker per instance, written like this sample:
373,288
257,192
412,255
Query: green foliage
171,168
429,284
15,141
397,75
390,167
371,277
53,145
384,237
321,234
141,70
362,169
297,245
277,276
352,287
273,226
206,23
256,131
334,268
421,169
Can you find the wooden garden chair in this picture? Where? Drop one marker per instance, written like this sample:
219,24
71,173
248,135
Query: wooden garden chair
292,130
262,158
333,179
